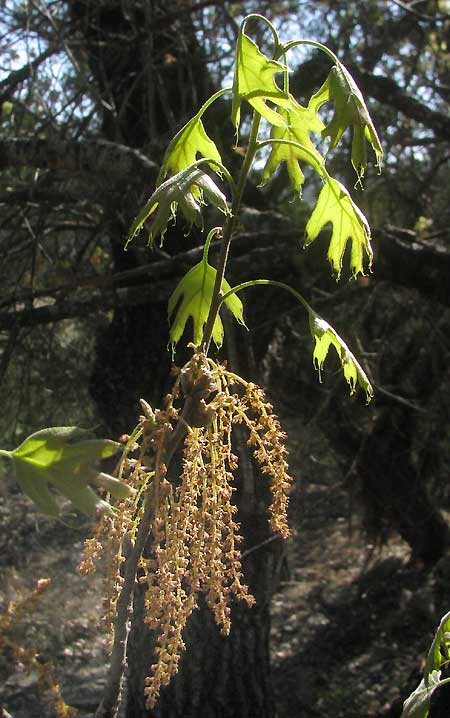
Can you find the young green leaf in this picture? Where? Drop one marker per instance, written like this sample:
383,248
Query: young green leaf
254,81
325,336
189,142
417,705
336,206
439,649
178,191
300,121
196,290
349,109
63,458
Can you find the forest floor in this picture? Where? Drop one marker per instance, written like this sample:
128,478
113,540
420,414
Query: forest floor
351,622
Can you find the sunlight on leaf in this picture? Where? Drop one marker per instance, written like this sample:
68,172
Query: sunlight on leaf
300,121
190,141
325,336
254,81
349,109
196,291
336,206
178,192
417,705
439,649
63,458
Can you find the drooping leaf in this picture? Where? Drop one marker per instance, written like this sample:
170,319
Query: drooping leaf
349,109
189,142
417,705
178,191
325,336
336,206
254,81
439,649
299,122
63,458
195,291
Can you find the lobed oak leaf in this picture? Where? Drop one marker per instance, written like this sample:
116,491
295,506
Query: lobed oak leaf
349,109
325,337
440,648
195,291
189,142
336,206
178,192
63,458
299,123
417,705
254,81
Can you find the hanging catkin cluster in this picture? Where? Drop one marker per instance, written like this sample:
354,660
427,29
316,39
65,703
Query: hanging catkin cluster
27,658
193,543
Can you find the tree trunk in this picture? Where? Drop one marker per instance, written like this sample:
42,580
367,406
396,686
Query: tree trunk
394,491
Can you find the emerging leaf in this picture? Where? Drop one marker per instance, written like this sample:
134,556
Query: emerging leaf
178,191
300,121
254,81
196,291
336,206
189,142
60,456
440,648
417,705
325,336
349,109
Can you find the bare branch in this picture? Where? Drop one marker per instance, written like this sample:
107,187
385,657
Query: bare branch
93,156
16,77
386,91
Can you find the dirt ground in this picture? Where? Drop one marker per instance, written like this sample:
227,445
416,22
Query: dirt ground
351,622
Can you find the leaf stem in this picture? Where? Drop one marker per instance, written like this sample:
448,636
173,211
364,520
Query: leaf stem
210,161
257,16
228,231
211,233
273,283
313,43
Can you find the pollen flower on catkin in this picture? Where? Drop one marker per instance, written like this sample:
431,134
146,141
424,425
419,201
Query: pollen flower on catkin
251,408
195,548
194,536
27,657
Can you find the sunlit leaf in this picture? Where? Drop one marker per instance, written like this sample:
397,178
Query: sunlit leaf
63,458
325,337
417,705
187,144
300,121
439,649
178,192
195,292
254,81
336,206
349,109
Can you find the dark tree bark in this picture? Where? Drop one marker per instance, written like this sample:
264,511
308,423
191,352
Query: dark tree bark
393,489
